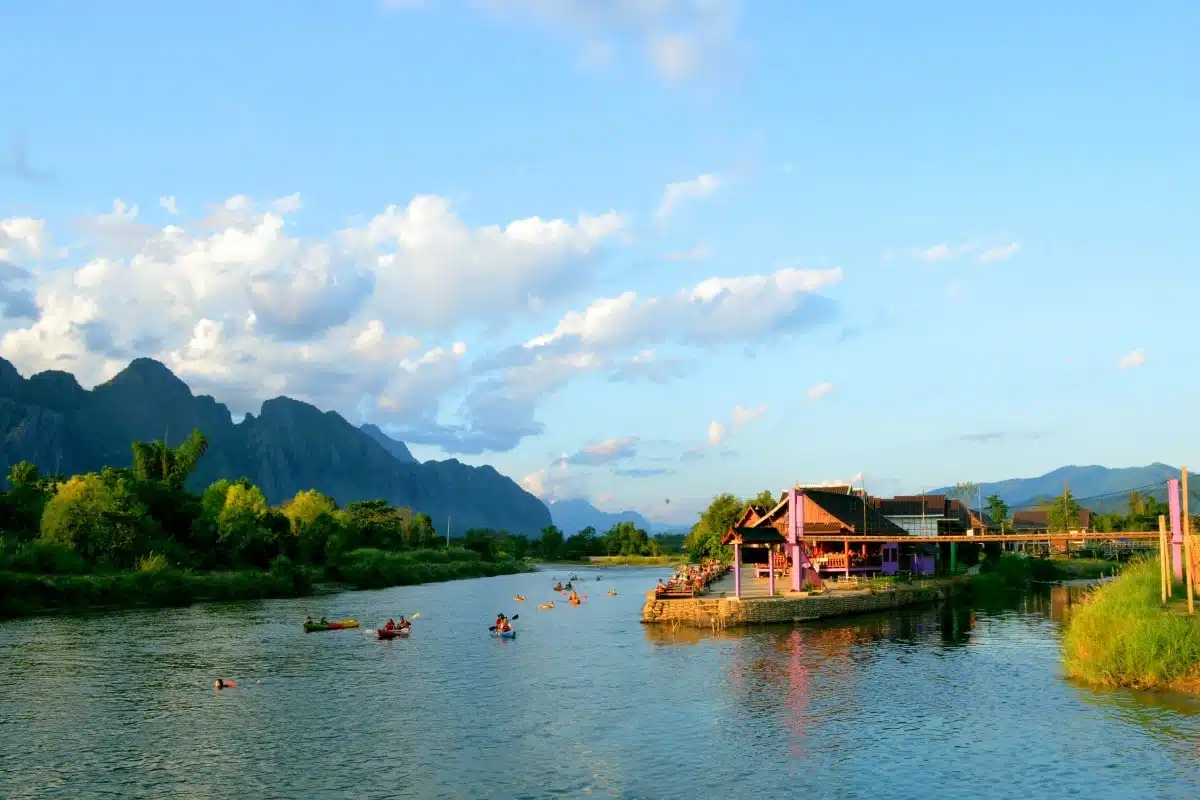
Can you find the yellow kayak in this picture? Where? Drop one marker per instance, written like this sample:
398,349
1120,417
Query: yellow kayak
330,626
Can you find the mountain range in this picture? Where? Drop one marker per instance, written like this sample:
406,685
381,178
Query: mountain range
1102,489
50,420
574,514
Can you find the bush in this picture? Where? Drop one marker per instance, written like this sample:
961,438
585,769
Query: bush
41,557
97,517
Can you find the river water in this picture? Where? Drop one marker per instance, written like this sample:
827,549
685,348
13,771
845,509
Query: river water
948,702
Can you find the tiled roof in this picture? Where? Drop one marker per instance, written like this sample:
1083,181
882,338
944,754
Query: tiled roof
754,536
853,512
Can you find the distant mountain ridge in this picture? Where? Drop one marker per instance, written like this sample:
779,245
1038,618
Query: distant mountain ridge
574,514
50,420
1102,489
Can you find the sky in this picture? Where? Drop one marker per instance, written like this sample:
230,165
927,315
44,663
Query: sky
638,251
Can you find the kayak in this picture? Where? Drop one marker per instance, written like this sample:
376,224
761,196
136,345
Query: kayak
384,633
331,626
505,634
575,602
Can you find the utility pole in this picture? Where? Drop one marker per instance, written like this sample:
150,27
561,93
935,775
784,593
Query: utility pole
447,532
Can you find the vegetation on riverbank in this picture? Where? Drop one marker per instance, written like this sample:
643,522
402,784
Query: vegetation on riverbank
1122,635
1017,571
636,561
136,536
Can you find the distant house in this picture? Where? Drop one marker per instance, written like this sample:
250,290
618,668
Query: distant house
934,515
1039,520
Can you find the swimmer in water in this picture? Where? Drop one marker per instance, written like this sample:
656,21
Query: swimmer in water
224,684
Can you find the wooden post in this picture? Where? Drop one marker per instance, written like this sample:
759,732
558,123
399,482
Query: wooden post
1188,575
846,546
1164,568
737,569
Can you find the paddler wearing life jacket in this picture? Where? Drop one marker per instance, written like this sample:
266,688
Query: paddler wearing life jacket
391,625
403,624
574,597
558,587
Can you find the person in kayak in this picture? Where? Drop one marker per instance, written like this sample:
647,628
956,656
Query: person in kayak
391,625
403,624
308,621
574,598
220,683
568,587
499,621
503,626
558,587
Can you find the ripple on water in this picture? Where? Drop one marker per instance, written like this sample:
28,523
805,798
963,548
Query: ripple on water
584,703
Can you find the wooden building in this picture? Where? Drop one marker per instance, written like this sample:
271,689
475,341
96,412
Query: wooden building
776,536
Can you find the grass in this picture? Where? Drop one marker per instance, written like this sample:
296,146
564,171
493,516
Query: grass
1123,636
37,578
1016,571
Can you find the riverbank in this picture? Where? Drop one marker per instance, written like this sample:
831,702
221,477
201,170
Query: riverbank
789,607
157,585
1122,635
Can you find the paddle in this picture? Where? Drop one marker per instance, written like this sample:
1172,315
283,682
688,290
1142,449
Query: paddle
513,618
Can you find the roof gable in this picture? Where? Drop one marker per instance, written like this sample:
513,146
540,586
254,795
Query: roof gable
853,512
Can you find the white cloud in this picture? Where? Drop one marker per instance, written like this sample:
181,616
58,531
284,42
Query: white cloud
743,416
697,253
679,38
168,204
22,237
288,204
675,55
241,310
817,391
1134,358
715,311
941,252
983,252
605,451
695,189
999,253
716,432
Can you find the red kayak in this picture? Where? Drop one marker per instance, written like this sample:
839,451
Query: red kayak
384,633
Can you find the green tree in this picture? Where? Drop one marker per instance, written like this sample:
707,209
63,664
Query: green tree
156,461
551,542
765,499
98,517
704,540
420,532
1063,514
21,507
997,509
305,507
965,492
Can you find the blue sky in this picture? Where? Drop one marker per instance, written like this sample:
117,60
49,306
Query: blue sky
1010,195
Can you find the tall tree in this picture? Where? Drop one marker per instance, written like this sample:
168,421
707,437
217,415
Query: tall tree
997,509
1063,514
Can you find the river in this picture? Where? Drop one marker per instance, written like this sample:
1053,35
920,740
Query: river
951,702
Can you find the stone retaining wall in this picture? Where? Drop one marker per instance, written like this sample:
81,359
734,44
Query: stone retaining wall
704,612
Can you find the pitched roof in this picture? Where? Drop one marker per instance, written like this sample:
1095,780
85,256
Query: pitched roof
754,536
1037,519
853,512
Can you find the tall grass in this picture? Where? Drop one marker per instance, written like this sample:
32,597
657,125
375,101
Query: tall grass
1122,635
